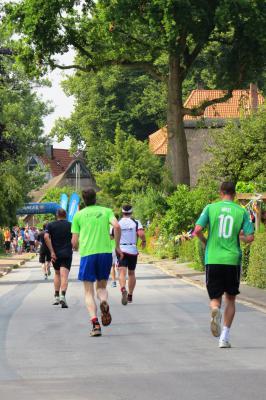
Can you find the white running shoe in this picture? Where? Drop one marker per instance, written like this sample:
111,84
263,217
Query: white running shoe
216,317
56,301
63,301
224,344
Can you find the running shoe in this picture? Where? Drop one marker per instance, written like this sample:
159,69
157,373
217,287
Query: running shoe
216,317
96,330
129,298
63,301
224,344
113,284
56,301
124,299
106,316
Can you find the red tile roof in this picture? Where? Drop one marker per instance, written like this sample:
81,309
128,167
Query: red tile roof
59,162
240,101
230,109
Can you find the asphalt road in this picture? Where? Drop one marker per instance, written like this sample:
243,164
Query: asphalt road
157,348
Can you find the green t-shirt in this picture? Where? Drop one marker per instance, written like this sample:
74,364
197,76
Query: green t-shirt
93,226
225,220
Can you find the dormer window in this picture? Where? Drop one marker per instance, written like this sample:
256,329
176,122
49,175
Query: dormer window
33,163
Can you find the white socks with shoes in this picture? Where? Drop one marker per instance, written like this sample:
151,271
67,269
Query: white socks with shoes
225,334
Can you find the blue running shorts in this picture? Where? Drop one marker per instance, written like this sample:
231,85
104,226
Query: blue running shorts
95,267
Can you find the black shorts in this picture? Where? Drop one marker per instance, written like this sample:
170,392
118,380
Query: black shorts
44,256
222,279
129,261
7,245
32,242
62,262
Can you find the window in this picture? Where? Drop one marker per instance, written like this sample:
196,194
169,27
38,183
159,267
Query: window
81,171
33,163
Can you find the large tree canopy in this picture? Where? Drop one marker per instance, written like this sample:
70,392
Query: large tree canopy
239,151
164,38
104,99
21,135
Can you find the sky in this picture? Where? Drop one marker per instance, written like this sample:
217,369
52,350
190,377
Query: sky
63,105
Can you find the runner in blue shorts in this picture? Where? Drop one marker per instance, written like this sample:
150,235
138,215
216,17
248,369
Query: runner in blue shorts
91,234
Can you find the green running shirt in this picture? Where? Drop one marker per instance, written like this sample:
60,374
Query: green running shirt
225,220
93,226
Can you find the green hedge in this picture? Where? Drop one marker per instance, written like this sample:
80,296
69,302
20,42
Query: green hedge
256,275
192,250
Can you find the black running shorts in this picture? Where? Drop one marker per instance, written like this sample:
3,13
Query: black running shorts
129,261
222,279
62,262
44,257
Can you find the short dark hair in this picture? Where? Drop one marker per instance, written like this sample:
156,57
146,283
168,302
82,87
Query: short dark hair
89,196
61,213
127,209
228,188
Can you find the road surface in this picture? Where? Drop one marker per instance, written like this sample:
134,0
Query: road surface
157,348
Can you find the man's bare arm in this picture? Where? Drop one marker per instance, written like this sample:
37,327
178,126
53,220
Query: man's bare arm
48,242
75,241
246,238
141,235
198,232
117,236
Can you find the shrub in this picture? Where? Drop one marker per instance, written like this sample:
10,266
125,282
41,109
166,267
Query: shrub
147,204
185,206
245,259
192,251
256,275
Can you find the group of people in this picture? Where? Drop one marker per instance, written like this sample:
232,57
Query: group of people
20,239
105,241
227,223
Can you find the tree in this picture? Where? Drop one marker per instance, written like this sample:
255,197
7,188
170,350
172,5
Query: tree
134,168
21,135
104,99
238,151
146,35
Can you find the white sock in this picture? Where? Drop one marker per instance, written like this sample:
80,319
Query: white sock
225,334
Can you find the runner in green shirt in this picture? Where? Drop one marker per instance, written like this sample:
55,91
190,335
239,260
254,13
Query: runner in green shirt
91,234
228,223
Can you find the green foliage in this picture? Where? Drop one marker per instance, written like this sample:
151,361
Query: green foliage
256,275
239,151
21,135
221,42
185,205
192,251
133,169
149,203
245,248
166,247
245,187
104,99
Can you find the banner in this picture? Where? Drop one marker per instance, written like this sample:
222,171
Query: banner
73,206
38,208
63,201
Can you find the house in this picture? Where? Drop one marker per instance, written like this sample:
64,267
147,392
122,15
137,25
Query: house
215,116
62,169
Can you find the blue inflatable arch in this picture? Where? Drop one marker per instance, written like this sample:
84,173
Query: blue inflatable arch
38,208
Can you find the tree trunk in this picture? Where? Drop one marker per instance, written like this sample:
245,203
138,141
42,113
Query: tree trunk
177,154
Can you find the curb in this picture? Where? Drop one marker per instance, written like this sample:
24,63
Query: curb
4,270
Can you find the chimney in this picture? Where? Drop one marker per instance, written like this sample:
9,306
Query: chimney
253,97
49,151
